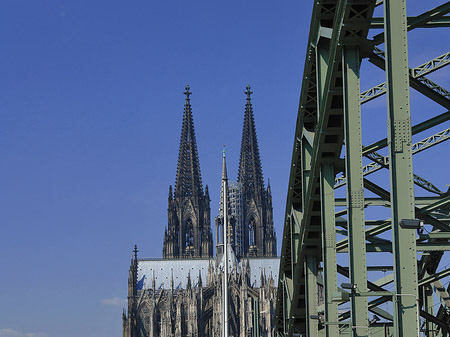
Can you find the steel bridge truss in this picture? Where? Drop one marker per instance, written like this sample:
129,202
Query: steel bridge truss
328,237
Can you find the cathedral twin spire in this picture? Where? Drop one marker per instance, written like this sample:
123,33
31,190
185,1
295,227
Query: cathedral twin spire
250,170
189,232
188,180
259,237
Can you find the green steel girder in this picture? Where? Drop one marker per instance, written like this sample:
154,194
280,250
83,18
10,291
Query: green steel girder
432,122
431,66
418,72
329,104
435,277
342,202
386,247
372,93
380,162
310,118
443,312
442,22
421,213
420,20
355,190
421,84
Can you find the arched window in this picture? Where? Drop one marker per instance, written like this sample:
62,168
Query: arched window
189,230
251,233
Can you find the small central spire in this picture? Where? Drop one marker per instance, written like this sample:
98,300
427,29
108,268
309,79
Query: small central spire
187,92
224,166
135,251
248,92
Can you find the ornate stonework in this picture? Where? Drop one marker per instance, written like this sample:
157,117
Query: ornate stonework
181,294
192,305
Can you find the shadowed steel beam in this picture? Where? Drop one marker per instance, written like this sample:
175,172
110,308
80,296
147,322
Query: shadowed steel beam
442,22
443,325
431,278
355,189
312,326
329,247
436,93
442,314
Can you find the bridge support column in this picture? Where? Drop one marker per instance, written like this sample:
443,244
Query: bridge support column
355,189
329,247
401,175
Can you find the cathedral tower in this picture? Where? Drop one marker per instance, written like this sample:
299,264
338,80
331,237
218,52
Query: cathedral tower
258,235
188,233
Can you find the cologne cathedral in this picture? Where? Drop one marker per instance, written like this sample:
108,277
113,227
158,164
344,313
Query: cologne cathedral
182,293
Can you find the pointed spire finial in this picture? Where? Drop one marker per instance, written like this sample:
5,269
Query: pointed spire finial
187,92
135,251
224,166
189,280
248,92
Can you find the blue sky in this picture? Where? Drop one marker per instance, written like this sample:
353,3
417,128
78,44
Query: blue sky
91,103
91,107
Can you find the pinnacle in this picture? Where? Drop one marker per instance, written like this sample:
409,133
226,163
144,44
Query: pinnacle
224,166
248,92
188,180
250,170
187,92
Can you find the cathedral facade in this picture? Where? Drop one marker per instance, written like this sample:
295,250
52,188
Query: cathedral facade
182,293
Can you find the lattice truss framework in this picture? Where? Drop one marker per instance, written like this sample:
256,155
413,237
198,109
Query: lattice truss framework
369,256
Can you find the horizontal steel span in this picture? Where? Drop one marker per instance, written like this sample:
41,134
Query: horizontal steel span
367,257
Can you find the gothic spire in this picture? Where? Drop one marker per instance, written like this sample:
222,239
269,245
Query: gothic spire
132,278
250,171
224,178
224,166
188,180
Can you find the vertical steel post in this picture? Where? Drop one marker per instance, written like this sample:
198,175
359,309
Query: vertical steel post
312,326
401,175
329,247
327,204
355,189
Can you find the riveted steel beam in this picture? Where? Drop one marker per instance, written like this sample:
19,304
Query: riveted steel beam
432,122
419,21
355,189
383,161
422,84
442,22
417,72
